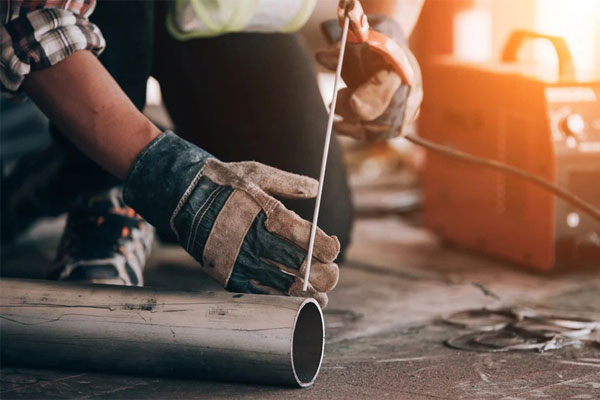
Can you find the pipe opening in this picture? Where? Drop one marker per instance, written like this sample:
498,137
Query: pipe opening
308,343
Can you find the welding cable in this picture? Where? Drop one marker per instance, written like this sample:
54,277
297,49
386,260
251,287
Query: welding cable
575,200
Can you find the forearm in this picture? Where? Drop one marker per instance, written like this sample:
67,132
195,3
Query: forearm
89,107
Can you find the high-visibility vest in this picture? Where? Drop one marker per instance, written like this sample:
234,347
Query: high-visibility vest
204,18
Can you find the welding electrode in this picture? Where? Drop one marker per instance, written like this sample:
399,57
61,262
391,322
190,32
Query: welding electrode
338,73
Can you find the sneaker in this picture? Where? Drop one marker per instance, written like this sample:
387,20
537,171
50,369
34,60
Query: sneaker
104,242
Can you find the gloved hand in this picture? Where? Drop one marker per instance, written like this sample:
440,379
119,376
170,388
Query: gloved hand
376,105
224,215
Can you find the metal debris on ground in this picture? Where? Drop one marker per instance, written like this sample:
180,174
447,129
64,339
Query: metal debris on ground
507,329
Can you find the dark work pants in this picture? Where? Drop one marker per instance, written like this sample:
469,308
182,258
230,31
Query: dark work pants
238,96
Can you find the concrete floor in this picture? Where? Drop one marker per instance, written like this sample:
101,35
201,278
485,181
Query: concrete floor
384,335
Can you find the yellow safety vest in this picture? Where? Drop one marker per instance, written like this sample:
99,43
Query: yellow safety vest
189,19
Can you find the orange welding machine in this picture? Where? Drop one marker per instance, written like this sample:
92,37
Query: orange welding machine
506,112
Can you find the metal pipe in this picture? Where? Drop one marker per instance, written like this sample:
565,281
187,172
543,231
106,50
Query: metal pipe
206,335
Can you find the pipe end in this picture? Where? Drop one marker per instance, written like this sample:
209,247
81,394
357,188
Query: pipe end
308,343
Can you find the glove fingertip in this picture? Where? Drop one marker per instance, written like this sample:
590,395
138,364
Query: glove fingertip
308,188
322,299
296,290
327,247
296,187
323,277
353,130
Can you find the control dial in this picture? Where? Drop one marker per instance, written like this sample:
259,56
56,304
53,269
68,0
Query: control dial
573,125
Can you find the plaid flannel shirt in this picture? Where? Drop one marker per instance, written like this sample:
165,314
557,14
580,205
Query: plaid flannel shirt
36,34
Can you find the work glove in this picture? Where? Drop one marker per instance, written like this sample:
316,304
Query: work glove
225,216
376,104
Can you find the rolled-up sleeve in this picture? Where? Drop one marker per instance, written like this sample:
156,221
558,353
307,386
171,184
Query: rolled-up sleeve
42,37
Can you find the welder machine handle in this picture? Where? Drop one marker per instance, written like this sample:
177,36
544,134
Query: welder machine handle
566,68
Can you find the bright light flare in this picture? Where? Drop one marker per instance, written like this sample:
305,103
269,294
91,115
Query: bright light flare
578,21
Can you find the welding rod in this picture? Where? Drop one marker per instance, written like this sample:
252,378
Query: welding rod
313,231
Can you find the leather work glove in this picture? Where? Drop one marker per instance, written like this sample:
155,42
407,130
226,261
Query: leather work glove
224,215
376,104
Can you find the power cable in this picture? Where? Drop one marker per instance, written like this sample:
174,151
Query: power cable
575,200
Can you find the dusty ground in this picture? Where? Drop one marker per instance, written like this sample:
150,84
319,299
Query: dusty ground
385,339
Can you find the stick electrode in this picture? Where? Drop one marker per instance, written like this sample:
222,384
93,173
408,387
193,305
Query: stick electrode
313,231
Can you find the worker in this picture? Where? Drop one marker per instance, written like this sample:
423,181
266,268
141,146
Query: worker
235,97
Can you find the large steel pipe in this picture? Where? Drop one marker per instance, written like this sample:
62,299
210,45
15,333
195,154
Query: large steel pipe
205,335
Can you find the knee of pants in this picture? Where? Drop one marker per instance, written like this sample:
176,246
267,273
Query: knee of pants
336,216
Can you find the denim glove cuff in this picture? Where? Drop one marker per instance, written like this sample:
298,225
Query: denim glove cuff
160,176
